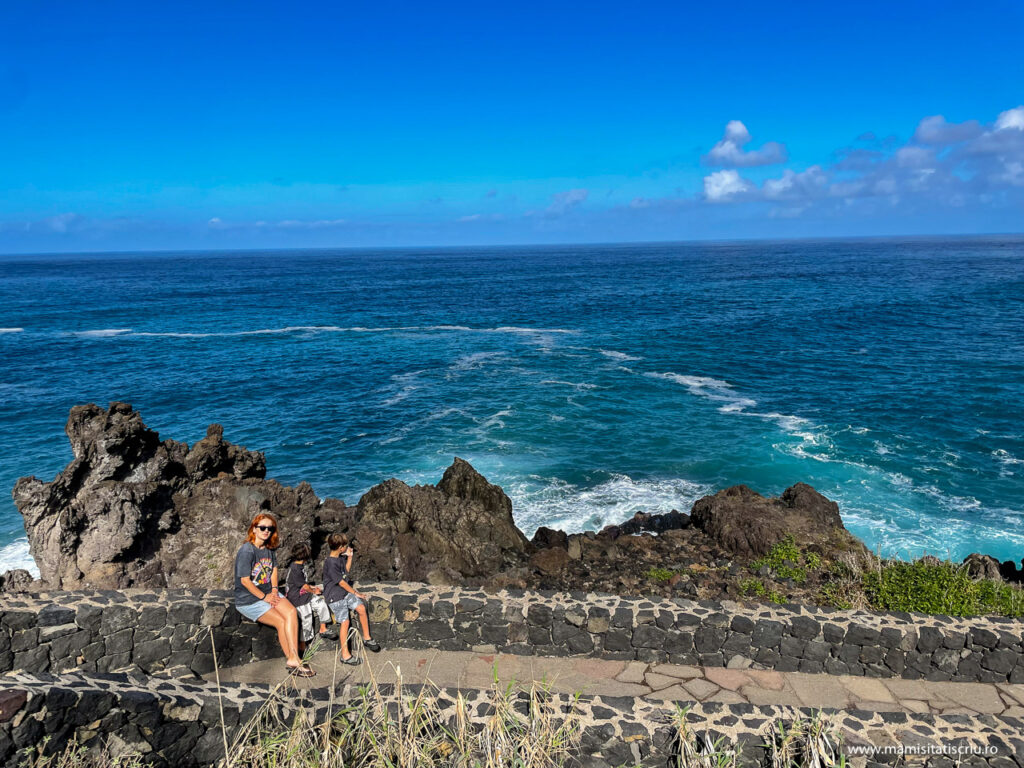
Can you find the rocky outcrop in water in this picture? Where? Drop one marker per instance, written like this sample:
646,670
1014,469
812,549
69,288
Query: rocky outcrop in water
134,510
457,531
746,524
706,554
16,581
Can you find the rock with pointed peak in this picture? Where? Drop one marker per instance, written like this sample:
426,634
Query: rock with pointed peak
459,531
134,510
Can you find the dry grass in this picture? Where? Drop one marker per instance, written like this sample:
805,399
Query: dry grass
399,727
422,727
75,755
380,727
800,743
806,743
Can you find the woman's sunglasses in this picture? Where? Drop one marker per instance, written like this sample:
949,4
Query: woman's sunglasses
265,528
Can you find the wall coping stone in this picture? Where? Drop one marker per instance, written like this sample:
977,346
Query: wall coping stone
162,630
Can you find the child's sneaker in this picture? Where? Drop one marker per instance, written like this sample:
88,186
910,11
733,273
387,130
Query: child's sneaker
329,634
351,661
372,645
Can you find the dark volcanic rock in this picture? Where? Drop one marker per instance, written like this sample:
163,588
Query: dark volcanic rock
745,523
643,522
132,510
16,581
460,529
548,537
982,567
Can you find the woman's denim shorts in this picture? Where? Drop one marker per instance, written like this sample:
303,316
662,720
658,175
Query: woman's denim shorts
254,610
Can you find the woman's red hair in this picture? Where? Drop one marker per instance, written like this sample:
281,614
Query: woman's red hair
273,541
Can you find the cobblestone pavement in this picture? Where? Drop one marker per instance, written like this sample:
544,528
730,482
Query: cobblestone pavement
667,682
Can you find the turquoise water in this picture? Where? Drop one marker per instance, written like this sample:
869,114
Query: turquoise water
589,382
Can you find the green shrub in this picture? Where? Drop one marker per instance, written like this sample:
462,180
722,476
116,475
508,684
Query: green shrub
660,574
787,561
756,588
835,595
942,588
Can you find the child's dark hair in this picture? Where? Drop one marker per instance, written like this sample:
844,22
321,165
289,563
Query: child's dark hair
301,551
337,541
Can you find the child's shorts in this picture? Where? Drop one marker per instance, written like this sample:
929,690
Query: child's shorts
341,608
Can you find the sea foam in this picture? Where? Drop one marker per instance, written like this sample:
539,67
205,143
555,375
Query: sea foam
735,403
102,333
618,355
323,329
16,555
555,503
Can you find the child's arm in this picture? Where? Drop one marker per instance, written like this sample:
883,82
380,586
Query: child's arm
348,588
348,569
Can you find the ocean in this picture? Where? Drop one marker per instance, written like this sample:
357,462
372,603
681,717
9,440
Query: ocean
588,381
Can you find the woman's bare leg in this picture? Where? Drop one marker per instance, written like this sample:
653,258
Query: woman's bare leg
274,619
291,624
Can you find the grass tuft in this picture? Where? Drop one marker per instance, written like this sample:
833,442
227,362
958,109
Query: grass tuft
945,588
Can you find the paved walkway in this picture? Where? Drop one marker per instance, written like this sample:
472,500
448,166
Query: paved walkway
671,682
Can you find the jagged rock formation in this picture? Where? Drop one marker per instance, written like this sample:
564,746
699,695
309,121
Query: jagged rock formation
747,524
133,510
16,581
460,530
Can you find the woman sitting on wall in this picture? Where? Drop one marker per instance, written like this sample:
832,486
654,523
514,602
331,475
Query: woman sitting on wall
256,595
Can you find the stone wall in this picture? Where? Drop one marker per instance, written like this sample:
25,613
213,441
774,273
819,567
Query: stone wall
171,630
178,723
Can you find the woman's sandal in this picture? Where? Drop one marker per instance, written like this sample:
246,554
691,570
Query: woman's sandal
303,670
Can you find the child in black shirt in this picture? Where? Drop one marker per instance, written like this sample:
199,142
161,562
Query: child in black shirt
305,596
342,598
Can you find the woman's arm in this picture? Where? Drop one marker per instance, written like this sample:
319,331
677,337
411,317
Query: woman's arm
256,591
274,597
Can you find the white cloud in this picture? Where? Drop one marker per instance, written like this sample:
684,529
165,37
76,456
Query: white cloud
284,225
792,185
62,222
1011,119
914,157
563,202
722,186
944,165
729,150
935,130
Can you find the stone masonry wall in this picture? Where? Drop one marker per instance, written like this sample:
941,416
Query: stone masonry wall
159,631
178,723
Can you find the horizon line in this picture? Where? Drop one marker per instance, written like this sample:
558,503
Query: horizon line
559,244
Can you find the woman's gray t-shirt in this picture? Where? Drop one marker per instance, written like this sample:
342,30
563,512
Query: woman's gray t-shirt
258,564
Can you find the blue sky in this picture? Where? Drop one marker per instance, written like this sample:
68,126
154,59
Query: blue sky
248,125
